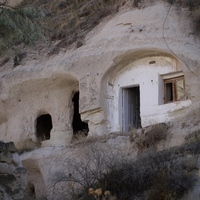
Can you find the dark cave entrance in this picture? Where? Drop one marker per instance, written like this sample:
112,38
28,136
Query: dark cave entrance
30,192
44,126
79,127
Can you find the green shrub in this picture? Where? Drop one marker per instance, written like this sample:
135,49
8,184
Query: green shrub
19,25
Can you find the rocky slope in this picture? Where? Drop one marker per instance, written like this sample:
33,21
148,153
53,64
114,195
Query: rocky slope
12,173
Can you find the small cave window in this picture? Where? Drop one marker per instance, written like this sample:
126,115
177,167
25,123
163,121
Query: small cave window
79,127
44,126
174,89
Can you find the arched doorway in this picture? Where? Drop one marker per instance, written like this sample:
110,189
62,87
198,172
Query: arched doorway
43,127
30,191
79,127
142,90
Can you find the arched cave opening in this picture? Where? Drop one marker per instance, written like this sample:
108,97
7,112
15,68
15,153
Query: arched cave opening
44,126
79,127
30,191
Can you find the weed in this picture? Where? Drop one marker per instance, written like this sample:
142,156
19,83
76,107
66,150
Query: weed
69,21
193,137
168,174
149,137
4,61
98,194
19,25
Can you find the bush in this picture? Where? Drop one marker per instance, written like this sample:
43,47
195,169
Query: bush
167,174
69,21
149,137
19,25
193,137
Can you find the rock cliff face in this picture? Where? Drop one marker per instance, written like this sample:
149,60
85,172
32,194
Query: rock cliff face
145,61
12,174
137,48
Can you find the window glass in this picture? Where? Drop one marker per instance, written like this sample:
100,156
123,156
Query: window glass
174,89
169,92
180,89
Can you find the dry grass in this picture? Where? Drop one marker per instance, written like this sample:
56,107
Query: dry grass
167,174
193,137
83,139
149,137
4,61
98,194
67,22
70,20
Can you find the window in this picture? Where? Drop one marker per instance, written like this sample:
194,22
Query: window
174,89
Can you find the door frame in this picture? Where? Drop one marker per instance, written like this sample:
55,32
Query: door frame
125,114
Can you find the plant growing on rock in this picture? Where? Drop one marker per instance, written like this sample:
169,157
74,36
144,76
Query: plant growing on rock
152,176
149,137
19,25
99,195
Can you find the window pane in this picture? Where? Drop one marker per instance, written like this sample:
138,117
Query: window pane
180,90
169,92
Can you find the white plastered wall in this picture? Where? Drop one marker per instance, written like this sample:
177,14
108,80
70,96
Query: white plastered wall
149,79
